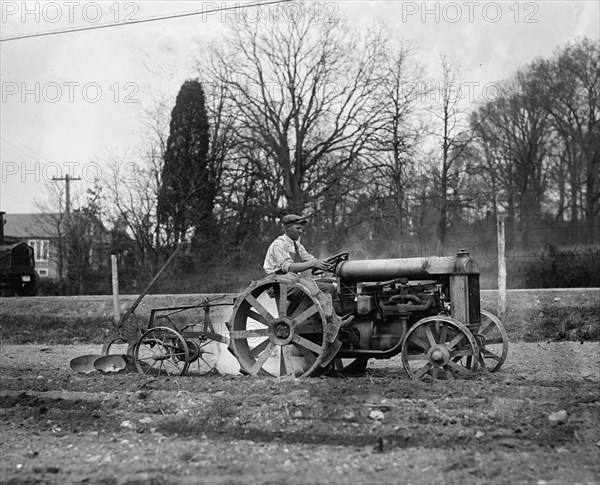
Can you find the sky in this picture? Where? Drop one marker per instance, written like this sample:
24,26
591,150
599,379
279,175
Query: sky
70,99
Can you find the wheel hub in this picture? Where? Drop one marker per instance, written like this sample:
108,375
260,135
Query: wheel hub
438,355
282,331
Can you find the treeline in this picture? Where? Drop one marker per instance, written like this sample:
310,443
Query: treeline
345,127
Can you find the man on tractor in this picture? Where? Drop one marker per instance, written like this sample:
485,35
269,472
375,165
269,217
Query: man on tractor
287,255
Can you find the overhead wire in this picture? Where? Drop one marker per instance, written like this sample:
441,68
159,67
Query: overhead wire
23,150
143,20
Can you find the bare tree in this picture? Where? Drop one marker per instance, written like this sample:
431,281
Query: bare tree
301,91
451,131
391,167
133,182
570,91
516,136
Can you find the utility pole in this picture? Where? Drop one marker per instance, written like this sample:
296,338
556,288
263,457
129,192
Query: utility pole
67,181
65,261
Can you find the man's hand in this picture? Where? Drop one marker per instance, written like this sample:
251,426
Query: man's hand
317,266
321,264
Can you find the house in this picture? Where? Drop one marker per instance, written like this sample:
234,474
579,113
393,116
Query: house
46,233
43,233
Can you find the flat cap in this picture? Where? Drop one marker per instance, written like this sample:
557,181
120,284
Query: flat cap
293,219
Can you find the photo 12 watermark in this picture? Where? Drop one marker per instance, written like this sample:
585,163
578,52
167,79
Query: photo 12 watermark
471,12
273,12
37,172
76,13
69,91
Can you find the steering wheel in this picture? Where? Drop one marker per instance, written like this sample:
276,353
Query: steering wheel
332,261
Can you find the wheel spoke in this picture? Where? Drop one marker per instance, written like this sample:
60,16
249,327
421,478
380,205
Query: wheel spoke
150,366
306,314
304,342
416,340
444,333
164,367
262,359
282,301
466,352
494,341
485,326
490,355
423,370
455,341
259,348
261,309
430,336
310,357
286,364
200,358
249,333
259,318
458,368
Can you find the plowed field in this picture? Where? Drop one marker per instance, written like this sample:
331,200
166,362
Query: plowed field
62,427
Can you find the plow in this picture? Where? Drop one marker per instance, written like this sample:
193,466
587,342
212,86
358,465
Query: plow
425,310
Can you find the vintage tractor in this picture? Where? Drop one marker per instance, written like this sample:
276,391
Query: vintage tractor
425,309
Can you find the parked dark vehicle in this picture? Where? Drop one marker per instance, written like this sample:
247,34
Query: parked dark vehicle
17,266
17,270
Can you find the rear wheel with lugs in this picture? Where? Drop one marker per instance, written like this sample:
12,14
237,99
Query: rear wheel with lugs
280,326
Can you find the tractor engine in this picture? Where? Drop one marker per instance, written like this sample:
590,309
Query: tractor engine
387,296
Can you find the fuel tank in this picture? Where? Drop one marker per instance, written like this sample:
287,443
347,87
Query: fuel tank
413,268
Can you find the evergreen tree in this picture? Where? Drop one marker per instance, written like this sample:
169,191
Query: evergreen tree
188,187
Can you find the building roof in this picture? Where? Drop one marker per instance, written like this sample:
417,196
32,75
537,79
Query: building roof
31,225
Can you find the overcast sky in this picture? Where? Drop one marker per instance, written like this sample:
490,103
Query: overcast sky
68,99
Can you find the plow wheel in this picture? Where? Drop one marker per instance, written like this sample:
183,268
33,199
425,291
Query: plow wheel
439,348
204,354
282,326
493,341
161,351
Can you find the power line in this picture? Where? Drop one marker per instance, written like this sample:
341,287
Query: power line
144,20
20,146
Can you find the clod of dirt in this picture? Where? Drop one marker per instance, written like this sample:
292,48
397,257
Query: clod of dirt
558,417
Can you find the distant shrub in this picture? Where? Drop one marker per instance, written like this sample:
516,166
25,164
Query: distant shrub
49,329
564,324
563,268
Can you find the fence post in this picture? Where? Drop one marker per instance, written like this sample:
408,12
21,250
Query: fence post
501,267
115,289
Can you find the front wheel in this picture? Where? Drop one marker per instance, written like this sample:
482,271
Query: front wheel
439,347
494,342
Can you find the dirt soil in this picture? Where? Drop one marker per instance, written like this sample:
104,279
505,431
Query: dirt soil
536,421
